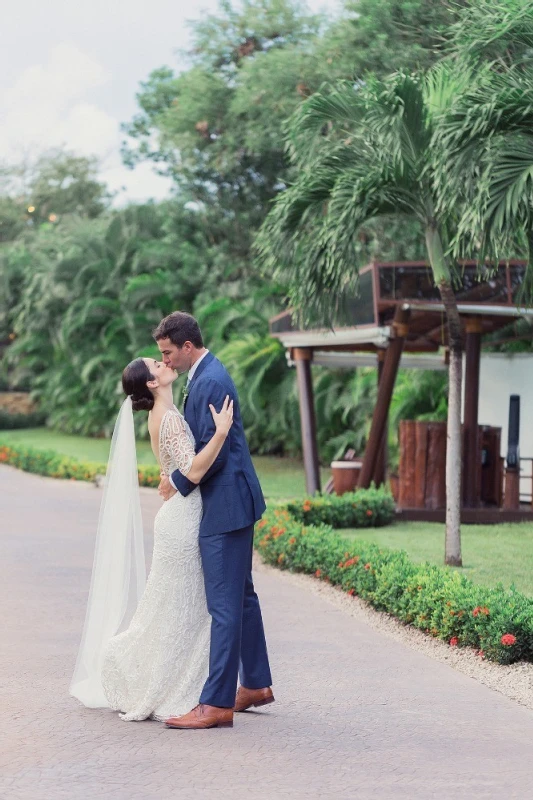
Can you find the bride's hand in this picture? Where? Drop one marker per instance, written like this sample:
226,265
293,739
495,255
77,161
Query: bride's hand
224,419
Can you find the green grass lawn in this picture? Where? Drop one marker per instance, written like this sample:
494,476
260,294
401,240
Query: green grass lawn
280,477
491,553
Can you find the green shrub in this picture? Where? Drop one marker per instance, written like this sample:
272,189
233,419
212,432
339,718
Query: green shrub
55,465
10,421
440,601
365,508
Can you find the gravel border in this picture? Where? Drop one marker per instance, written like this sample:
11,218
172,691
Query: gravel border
515,681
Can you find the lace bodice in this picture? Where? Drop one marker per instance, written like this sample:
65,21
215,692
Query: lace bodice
176,443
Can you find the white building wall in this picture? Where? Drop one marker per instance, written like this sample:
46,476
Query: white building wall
501,375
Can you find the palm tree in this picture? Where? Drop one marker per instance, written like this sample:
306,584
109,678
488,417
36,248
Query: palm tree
486,139
361,152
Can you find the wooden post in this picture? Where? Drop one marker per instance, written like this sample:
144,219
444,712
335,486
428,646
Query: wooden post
302,356
471,463
511,494
381,463
386,386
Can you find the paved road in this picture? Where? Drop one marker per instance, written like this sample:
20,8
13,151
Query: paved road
358,715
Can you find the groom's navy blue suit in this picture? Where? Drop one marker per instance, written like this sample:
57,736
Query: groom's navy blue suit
232,503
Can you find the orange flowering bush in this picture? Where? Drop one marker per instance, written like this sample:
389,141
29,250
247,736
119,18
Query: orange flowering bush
441,602
56,465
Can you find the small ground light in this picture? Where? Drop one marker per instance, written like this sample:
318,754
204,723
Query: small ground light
31,209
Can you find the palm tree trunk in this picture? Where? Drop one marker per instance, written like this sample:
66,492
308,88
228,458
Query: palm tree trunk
442,275
453,445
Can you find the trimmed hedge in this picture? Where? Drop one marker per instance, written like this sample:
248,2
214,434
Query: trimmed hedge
9,421
440,601
55,465
365,508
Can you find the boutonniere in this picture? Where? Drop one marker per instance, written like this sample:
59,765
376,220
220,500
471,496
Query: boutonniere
185,394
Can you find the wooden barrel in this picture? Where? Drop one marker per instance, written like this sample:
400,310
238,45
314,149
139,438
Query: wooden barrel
345,475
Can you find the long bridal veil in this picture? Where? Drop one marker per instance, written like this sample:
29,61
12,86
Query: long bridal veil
119,572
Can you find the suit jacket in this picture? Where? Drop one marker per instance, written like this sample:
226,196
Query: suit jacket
231,493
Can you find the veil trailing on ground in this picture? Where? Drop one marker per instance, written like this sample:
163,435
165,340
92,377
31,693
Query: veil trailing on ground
119,572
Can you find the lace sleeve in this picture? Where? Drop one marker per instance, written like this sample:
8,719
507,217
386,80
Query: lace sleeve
175,447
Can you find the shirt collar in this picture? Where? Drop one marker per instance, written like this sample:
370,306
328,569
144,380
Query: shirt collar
190,374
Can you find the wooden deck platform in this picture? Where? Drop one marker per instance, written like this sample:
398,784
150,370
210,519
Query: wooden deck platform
469,516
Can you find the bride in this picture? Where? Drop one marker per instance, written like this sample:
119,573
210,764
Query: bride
145,648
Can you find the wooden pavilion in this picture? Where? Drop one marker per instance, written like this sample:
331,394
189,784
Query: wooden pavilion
399,313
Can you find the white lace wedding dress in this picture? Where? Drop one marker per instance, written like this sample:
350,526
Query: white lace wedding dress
158,666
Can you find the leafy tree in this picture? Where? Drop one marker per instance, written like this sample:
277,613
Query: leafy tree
385,36
59,182
82,316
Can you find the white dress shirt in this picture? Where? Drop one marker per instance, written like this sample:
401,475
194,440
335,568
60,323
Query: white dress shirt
190,376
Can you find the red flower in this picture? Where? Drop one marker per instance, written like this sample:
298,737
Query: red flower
367,566
318,573
454,641
281,558
262,523
369,513
307,505
350,562
351,592
481,653
508,639
292,540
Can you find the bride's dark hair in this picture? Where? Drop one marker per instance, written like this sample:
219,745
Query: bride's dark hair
134,380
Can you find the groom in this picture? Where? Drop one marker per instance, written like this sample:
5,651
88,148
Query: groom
232,503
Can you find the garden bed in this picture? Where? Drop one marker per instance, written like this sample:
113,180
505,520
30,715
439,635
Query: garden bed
496,622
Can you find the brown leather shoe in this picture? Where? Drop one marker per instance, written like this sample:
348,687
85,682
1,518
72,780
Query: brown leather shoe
203,716
246,698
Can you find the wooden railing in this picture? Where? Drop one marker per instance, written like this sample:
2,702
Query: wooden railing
526,479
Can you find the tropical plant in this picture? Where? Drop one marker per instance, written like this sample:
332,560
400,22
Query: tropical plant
83,315
364,151
486,145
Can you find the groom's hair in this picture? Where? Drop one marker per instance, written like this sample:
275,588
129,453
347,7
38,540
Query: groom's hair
179,327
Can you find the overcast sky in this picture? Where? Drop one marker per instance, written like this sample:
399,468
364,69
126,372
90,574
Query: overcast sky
69,71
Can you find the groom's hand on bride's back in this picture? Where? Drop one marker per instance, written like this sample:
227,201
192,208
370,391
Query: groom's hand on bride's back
165,489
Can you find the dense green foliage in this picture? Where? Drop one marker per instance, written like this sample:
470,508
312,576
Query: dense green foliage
439,601
365,508
9,421
82,285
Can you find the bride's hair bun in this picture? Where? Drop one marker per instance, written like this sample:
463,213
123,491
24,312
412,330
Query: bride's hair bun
142,403
134,380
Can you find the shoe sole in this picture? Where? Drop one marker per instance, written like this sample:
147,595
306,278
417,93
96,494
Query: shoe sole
200,728
255,705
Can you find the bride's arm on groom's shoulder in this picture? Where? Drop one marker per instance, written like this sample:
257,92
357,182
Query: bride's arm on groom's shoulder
213,394
205,459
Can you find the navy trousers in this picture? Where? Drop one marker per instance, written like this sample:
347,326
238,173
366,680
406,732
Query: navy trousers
238,646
